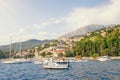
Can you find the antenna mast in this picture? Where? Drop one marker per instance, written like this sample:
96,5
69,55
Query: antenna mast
10,52
20,44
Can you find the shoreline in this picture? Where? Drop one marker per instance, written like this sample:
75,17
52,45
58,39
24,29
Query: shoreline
91,58
67,58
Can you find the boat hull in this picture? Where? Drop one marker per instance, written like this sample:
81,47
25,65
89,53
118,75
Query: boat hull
104,58
56,65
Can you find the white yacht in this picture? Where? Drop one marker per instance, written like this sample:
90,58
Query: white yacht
104,58
56,65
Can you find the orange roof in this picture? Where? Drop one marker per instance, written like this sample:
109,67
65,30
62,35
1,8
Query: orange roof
59,51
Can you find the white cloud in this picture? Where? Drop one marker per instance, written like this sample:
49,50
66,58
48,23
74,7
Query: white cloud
53,27
105,14
21,30
29,36
49,22
79,17
42,33
42,36
47,35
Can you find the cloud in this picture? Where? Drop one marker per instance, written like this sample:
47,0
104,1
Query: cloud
42,33
105,14
79,17
57,26
48,22
21,30
42,36
47,35
28,36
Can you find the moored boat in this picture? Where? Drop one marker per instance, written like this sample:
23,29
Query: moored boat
56,65
37,62
16,61
104,58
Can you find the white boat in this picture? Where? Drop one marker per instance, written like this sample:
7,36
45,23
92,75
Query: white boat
7,62
81,60
104,58
56,65
16,61
37,62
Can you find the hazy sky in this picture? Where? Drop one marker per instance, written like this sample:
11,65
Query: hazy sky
48,19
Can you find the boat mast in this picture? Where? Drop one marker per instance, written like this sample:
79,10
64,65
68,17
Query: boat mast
10,51
20,44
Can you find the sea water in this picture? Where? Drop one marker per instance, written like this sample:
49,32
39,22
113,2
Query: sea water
91,70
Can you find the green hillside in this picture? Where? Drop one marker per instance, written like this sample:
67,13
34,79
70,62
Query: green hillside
99,43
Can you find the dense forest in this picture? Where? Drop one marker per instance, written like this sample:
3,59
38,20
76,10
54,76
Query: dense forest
99,43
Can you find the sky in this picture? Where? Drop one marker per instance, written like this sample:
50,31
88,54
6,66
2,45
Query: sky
49,19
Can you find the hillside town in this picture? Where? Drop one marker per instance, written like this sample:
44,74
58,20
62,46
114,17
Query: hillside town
61,47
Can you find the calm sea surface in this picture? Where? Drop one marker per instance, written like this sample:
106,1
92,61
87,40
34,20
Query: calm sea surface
91,70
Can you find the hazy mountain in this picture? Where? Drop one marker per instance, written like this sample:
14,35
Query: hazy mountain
84,30
24,45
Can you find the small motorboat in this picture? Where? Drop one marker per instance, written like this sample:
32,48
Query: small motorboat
104,58
56,65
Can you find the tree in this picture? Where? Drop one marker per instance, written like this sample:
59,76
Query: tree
49,54
43,54
2,55
95,43
94,55
69,54
30,55
60,55
40,48
46,45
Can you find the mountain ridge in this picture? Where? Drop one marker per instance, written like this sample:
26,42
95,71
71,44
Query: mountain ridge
24,45
83,30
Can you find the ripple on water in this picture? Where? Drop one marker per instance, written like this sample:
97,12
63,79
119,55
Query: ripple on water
92,70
